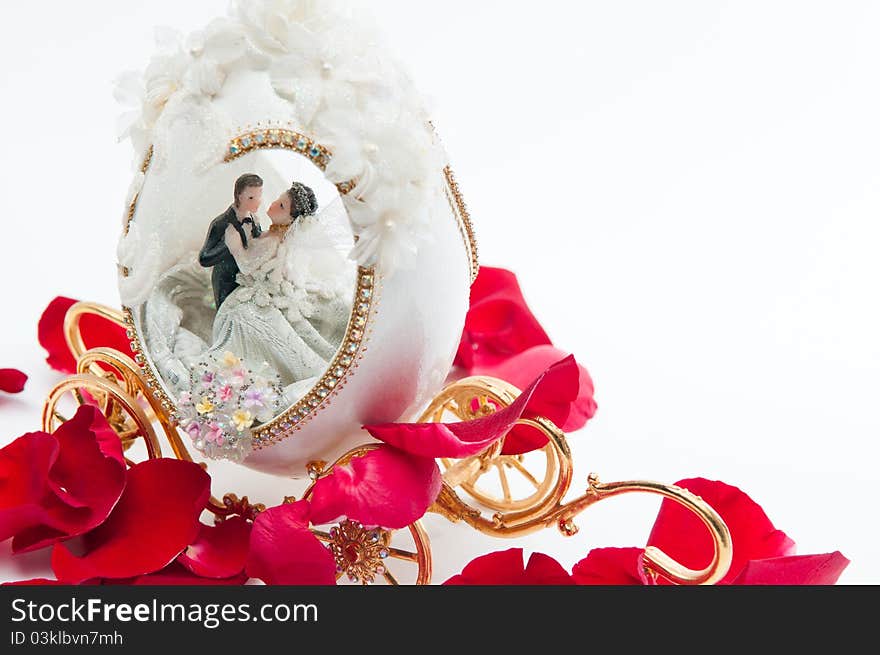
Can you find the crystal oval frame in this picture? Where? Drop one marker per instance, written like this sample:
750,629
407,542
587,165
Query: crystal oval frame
367,289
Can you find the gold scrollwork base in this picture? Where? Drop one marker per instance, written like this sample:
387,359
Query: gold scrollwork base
115,383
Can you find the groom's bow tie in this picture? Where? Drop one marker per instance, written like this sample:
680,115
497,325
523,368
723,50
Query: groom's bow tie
239,227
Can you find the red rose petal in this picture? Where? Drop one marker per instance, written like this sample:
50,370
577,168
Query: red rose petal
283,551
466,439
45,495
24,471
570,414
12,380
44,582
96,332
824,570
175,575
386,488
682,536
614,567
499,323
521,370
156,518
36,582
544,570
86,443
220,551
506,568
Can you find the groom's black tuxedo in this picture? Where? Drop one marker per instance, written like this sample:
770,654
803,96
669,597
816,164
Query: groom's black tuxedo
215,253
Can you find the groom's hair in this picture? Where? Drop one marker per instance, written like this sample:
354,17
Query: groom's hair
246,182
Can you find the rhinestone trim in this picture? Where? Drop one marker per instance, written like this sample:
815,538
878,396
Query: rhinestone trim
283,139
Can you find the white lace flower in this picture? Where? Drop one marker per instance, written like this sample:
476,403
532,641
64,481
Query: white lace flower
204,77
390,226
128,90
380,152
321,69
164,74
222,41
145,94
267,23
212,51
197,65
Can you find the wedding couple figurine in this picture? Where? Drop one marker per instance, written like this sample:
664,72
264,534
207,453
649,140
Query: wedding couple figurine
265,315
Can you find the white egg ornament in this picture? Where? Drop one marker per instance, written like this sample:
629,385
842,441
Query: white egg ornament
296,259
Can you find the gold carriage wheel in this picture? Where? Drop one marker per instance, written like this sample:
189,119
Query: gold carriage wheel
472,398
136,425
368,557
503,466
359,550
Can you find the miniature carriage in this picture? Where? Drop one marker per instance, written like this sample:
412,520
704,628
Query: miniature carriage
346,312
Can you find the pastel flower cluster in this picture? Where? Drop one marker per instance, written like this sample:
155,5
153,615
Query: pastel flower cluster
224,402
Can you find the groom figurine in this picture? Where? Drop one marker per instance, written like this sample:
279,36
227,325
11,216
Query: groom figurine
215,254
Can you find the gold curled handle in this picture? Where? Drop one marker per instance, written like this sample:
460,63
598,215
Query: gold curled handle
562,516
465,398
77,383
72,333
656,561
128,372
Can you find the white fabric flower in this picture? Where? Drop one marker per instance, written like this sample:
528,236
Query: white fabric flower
222,41
204,77
374,152
128,90
197,65
145,95
321,68
390,226
164,74
267,23
398,168
212,51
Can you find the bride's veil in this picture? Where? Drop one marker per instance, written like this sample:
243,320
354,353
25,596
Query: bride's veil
318,250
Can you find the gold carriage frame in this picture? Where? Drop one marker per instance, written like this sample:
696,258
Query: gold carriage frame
120,388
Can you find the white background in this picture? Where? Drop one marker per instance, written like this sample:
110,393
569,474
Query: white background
689,192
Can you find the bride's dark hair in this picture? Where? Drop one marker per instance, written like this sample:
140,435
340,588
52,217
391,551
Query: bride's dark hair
302,201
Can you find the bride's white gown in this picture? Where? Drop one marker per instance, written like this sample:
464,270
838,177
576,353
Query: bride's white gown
289,314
